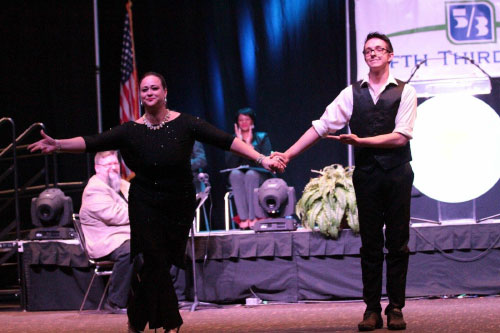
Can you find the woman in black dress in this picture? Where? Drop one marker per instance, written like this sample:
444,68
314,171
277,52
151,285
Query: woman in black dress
157,147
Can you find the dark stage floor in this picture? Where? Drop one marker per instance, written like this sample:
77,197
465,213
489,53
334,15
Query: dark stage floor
478,314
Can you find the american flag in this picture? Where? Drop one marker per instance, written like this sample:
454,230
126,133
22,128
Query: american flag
129,87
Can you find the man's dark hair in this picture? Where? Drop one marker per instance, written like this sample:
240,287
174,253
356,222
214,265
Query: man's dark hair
383,37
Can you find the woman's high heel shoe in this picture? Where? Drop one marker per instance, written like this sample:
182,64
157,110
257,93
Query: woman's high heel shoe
132,329
252,223
244,225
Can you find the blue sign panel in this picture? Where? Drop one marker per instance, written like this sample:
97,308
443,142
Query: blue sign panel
470,22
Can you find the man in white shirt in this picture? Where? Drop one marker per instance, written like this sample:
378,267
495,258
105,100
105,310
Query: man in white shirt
106,226
380,111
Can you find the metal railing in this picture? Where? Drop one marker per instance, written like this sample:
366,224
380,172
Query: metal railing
17,221
14,147
8,196
11,169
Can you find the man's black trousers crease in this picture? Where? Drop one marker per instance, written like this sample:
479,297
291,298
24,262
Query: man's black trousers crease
383,197
122,274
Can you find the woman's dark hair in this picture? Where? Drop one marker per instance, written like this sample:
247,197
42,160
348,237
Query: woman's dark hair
383,37
246,112
162,79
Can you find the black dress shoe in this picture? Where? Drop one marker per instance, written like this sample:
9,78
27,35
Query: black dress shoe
371,321
395,320
114,308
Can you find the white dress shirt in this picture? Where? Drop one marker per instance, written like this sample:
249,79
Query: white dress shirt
339,112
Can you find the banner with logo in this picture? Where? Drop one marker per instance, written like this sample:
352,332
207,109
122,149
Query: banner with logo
444,39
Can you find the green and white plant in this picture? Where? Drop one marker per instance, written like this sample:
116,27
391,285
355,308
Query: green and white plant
327,200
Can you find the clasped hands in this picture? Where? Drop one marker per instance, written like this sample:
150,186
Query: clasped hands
276,162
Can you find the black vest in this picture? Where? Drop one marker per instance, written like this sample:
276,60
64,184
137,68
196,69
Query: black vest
370,119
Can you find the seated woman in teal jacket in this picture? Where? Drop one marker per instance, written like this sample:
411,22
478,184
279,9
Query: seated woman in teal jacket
244,180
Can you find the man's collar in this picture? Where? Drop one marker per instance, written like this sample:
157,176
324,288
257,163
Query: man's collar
390,80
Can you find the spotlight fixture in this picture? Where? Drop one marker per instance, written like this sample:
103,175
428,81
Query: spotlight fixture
274,203
51,211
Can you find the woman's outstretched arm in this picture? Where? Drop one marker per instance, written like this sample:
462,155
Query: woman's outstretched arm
48,145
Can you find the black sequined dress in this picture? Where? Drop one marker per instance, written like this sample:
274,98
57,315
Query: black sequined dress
161,205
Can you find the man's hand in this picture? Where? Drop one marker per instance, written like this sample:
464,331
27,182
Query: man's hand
282,157
389,140
348,139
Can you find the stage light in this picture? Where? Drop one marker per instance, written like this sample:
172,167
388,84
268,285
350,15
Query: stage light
274,202
456,148
50,211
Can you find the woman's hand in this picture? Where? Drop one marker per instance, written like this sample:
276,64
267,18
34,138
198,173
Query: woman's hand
237,132
250,136
273,164
46,145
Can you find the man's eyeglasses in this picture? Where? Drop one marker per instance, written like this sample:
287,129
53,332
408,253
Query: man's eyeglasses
378,51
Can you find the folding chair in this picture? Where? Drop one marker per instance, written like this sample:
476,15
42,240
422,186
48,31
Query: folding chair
202,210
229,209
229,205
101,267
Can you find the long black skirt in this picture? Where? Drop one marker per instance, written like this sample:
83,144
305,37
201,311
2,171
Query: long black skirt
160,224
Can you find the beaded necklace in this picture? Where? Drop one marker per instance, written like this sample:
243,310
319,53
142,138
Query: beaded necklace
156,126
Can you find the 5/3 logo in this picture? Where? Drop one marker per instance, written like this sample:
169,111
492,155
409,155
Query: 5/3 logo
470,22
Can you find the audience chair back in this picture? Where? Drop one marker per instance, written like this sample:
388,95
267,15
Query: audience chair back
101,267
229,209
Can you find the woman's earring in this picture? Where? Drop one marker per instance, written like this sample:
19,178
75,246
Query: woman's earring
140,103
165,100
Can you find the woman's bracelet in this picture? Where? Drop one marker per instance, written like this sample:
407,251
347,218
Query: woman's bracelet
260,159
58,145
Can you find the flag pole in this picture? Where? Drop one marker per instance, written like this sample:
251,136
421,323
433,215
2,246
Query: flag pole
97,68
348,65
137,110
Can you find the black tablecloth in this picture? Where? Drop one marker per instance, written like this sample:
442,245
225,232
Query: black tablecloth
283,266
305,265
56,276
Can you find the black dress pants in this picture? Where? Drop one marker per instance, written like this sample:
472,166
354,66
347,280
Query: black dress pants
383,198
123,271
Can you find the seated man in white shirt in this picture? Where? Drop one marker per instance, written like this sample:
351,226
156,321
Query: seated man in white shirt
106,226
